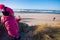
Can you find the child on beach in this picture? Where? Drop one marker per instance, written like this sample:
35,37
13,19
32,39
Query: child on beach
10,22
54,19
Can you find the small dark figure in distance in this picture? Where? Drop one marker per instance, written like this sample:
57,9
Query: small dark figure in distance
54,19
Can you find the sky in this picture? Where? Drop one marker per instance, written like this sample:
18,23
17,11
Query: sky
32,4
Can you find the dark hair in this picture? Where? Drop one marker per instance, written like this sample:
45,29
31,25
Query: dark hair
5,13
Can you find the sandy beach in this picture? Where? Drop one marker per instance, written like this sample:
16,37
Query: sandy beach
35,19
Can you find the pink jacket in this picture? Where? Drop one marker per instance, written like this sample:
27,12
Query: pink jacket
11,23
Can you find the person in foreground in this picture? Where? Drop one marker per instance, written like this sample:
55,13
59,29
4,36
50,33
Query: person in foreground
10,22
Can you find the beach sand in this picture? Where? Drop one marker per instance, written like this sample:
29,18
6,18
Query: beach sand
35,19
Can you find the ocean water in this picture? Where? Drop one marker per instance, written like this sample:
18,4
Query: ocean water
37,12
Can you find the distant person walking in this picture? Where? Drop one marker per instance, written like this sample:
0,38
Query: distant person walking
10,22
54,19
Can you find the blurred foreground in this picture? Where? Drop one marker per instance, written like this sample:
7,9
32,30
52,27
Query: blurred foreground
37,32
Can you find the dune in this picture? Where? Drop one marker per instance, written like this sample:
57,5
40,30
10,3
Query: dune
47,32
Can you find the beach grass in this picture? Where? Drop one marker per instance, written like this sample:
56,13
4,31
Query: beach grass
47,32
